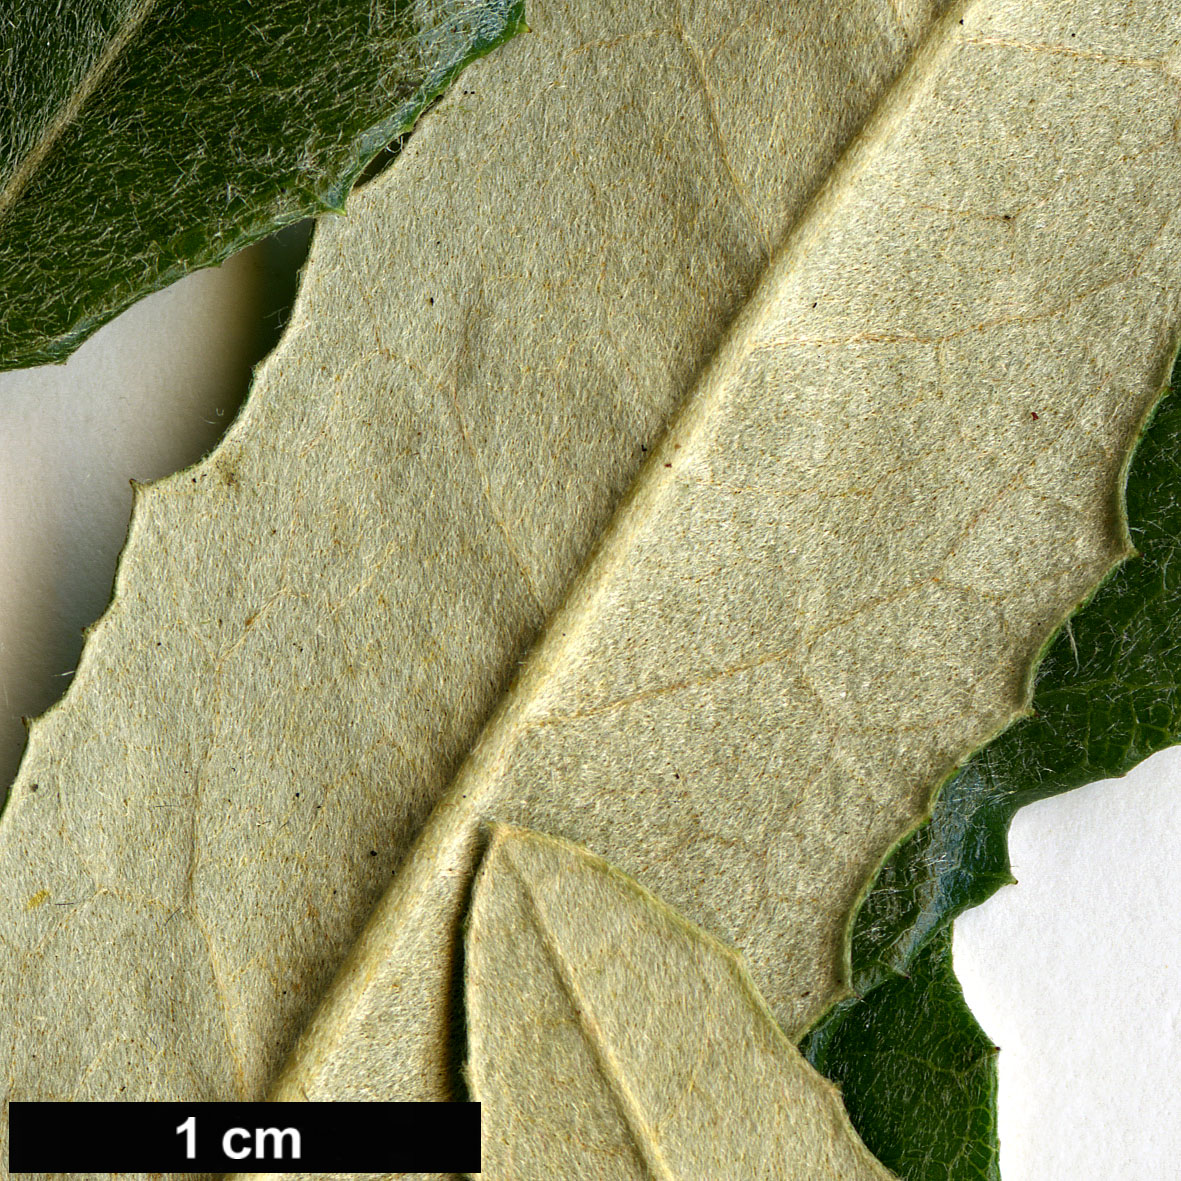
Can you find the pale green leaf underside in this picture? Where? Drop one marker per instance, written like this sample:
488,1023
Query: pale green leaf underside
311,627
825,588
611,1039
899,474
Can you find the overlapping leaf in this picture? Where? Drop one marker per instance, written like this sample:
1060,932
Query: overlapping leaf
141,139
612,1039
825,588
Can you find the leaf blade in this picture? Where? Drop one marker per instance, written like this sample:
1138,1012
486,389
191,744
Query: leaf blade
573,972
918,1075
585,672
186,132
221,655
300,593
1096,670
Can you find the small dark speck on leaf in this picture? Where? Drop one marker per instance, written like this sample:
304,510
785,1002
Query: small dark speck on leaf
372,852
33,786
1033,415
668,465
431,301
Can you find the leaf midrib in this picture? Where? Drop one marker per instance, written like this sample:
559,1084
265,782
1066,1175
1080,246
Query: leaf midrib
445,830
69,111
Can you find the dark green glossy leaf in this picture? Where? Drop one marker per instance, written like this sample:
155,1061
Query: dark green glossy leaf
142,139
1108,694
914,1059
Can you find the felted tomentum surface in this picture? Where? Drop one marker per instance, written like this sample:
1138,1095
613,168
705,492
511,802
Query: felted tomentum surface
572,971
918,1075
688,463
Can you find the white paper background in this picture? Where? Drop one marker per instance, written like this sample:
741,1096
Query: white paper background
1075,973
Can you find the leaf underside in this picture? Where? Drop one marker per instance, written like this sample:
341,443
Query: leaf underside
406,939
612,1039
145,139
352,579
1106,698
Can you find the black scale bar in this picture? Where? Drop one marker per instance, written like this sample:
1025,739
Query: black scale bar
248,1137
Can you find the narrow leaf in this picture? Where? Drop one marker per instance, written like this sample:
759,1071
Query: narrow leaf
142,139
612,1039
